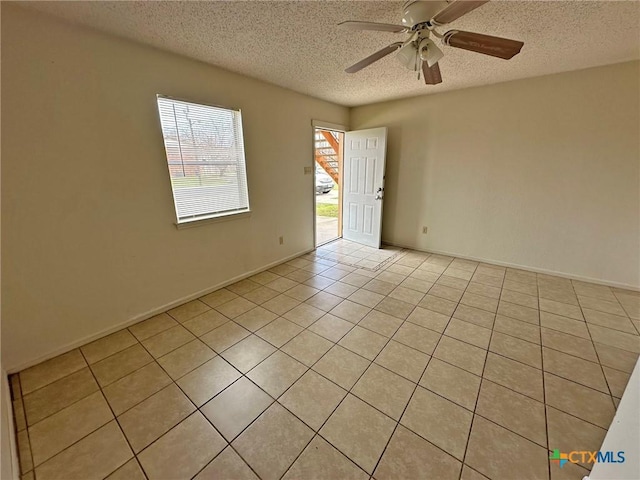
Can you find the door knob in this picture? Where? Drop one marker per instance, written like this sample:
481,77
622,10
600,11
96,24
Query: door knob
379,193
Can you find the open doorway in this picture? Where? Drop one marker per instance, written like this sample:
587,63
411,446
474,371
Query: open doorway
328,151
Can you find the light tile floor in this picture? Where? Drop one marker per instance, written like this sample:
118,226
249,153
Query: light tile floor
357,255
429,367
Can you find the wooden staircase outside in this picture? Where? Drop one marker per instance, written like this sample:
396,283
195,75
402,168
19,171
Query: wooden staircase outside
327,151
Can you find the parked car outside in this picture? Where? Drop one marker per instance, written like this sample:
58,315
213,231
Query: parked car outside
324,183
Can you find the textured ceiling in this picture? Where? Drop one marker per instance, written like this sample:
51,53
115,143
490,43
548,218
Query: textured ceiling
297,44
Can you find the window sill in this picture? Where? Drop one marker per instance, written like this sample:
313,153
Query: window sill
199,222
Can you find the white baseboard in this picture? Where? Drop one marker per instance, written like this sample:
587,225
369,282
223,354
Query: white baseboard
143,316
523,267
180,301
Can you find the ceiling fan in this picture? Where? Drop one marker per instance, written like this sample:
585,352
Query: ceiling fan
419,52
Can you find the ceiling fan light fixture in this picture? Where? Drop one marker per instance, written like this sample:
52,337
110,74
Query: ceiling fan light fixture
418,53
408,56
429,52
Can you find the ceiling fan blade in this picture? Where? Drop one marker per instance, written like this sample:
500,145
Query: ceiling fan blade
486,44
356,67
432,74
455,10
380,27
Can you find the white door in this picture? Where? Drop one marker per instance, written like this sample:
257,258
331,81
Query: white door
363,185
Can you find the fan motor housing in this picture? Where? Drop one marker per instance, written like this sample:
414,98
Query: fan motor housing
417,12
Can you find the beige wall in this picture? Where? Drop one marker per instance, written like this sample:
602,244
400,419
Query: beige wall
88,235
542,173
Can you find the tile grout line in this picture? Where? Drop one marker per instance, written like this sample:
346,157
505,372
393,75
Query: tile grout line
197,409
395,428
565,333
65,408
33,463
596,352
484,364
317,432
371,362
114,418
615,294
544,390
229,443
416,388
242,375
490,351
290,386
435,394
154,360
349,392
574,356
236,380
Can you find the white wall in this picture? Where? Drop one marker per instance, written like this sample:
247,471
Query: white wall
88,233
542,173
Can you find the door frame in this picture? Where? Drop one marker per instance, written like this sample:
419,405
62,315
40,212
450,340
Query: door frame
319,124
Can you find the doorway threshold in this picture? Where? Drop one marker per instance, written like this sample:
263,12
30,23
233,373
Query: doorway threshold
326,241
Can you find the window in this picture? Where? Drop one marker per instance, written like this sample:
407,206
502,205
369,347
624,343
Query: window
205,155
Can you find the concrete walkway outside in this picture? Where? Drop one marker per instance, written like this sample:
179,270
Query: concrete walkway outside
326,229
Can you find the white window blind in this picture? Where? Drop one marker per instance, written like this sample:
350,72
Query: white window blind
205,155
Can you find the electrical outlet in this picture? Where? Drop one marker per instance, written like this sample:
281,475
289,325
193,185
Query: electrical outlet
308,170
424,230
281,240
